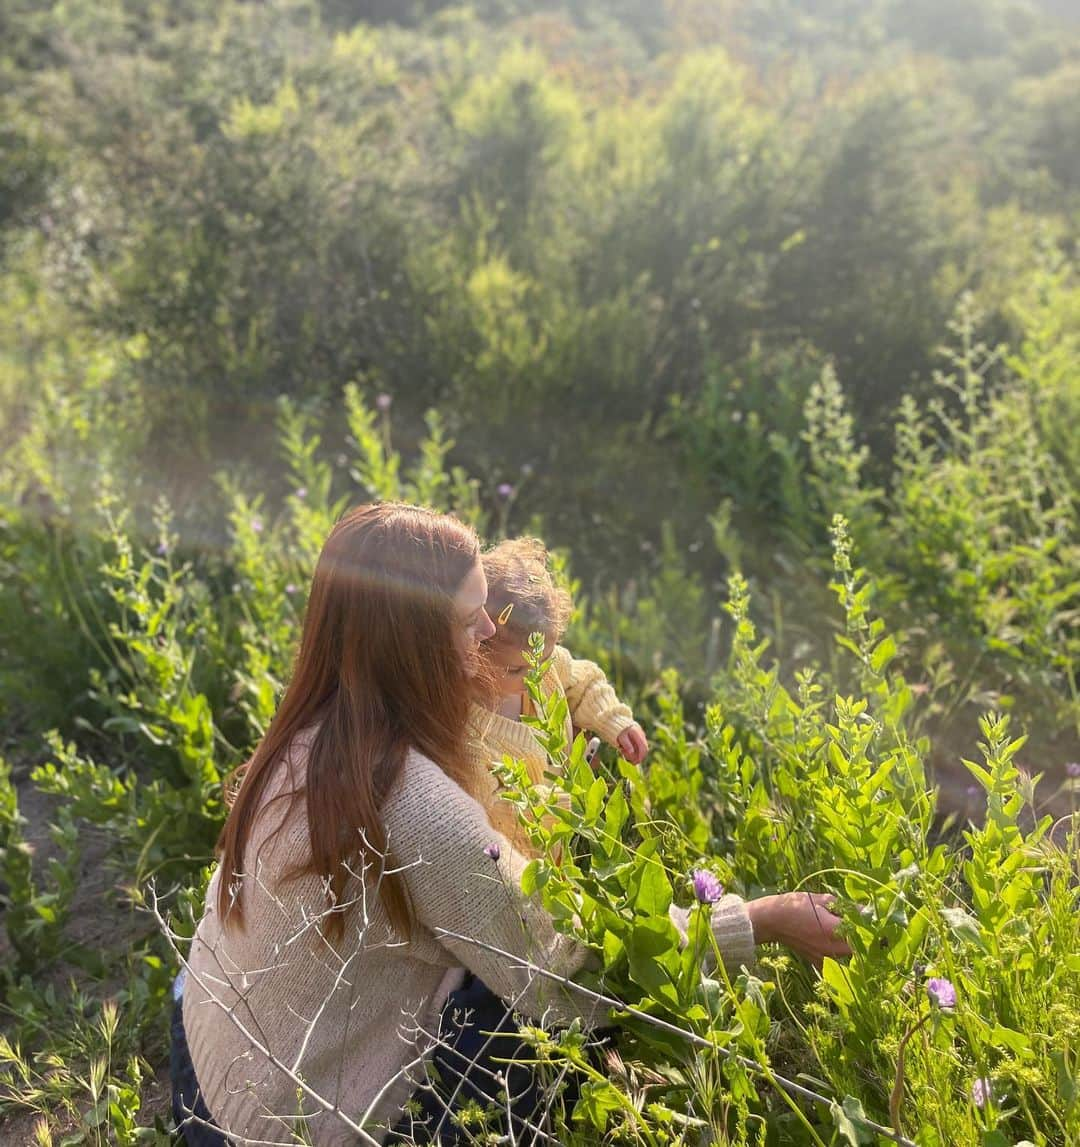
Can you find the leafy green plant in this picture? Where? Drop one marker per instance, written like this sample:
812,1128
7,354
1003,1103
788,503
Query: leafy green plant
35,908
100,1103
983,530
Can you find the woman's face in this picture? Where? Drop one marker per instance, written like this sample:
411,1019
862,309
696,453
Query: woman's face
473,624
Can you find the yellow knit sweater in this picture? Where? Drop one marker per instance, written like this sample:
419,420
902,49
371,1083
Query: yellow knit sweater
592,705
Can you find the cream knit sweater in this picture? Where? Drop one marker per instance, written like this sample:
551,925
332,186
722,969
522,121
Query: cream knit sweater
592,705
353,1018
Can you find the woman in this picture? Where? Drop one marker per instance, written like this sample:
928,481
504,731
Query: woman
355,872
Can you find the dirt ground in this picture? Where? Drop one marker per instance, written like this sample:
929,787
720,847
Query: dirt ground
100,921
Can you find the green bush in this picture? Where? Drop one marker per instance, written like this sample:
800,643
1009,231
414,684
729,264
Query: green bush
983,522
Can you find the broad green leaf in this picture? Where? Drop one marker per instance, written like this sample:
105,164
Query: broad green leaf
963,925
614,949
836,977
849,1121
1015,1041
594,801
599,1099
651,949
650,889
884,652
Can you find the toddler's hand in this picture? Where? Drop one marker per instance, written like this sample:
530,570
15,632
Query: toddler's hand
632,744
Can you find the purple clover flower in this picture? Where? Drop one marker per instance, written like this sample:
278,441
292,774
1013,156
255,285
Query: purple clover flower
941,992
257,525
383,402
504,490
493,851
301,492
1072,769
290,589
706,886
982,1091
163,548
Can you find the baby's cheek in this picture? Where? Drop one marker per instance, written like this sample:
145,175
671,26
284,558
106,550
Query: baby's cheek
513,685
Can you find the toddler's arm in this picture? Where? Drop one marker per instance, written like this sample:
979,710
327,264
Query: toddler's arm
595,706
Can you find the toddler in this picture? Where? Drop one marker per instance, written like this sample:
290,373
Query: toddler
523,599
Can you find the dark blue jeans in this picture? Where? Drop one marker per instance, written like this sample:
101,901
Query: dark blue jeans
482,1058
192,1118
478,1036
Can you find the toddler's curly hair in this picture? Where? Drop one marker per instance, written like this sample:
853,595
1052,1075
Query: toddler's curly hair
523,595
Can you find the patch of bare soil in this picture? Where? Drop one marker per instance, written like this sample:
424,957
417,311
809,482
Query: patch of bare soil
102,922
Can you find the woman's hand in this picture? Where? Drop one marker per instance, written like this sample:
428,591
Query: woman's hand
800,921
633,744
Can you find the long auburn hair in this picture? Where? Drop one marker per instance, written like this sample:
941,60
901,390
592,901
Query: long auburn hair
378,671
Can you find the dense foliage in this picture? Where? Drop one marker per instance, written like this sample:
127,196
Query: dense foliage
731,300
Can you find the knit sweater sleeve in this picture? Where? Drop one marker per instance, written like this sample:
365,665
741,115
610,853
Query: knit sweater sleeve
593,703
473,903
461,893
